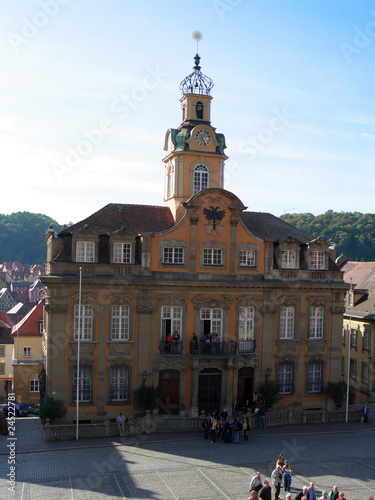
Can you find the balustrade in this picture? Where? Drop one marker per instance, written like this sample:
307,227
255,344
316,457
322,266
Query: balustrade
173,423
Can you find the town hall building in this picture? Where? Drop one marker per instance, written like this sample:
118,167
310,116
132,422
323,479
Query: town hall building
199,297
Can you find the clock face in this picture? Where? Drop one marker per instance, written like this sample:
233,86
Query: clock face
202,138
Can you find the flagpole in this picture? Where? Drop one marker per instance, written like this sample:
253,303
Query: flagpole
349,340
78,351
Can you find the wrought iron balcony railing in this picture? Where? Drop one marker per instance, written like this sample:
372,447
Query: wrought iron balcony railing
202,348
246,346
170,348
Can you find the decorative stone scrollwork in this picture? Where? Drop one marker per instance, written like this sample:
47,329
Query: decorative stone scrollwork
86,351
268,310
145,308
119,351
286,346
337,310
56,308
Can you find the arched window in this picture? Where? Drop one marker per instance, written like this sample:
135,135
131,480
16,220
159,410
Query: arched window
170,182
200,178
199,110
34,383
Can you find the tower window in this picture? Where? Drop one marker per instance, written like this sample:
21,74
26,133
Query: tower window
200,178
199,110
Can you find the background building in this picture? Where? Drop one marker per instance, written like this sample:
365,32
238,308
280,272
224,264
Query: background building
27,355
264,299
6,352
358,338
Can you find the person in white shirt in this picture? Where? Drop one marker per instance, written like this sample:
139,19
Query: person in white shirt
256,483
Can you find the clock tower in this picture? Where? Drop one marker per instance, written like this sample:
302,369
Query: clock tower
194,151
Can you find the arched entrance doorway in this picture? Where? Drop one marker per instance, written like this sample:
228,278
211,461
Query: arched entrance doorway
245,385
209,394
169,383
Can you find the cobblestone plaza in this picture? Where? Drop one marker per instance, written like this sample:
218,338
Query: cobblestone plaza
186,467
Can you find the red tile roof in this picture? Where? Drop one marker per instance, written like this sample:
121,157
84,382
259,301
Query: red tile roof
133,218
4,318
29,325
362,276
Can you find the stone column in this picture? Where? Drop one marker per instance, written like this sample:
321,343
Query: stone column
194,388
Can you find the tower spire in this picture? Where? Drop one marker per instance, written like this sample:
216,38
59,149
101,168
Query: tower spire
196,82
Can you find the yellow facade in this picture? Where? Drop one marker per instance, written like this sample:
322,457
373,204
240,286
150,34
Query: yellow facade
264,299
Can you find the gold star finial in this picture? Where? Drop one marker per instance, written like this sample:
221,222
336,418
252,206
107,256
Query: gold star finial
197,36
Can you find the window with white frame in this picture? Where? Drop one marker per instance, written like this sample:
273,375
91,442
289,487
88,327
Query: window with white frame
120,322
248,258
171,320
317,259
173,255
288,259
84,386
364,374
211,322
34,383
353,338
85,251
287,322
212,256
200,178
85,317
122,253
246,323
285,377
353,369
314,377
27,352
245,329
366,340
316,322
119,383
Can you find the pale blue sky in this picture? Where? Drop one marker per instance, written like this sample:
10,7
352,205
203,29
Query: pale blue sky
294,96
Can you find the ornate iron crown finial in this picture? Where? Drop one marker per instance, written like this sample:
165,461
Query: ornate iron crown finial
196,82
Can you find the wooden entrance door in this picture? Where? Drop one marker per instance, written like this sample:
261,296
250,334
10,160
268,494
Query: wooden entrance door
245,385
209,394
169,383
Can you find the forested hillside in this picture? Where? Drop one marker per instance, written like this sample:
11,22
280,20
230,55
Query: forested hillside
22,237
22,234
354,232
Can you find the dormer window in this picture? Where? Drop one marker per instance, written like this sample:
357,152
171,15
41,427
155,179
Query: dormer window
288,259
122,253
85,251
318,260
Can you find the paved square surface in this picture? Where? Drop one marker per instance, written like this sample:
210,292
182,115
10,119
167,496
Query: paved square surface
187,467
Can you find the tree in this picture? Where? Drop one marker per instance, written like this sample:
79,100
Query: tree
270,391
51,408
147,397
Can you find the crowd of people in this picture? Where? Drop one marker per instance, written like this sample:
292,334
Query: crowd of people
281,477
231,428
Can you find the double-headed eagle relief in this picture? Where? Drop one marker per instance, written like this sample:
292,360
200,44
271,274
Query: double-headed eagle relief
214,213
